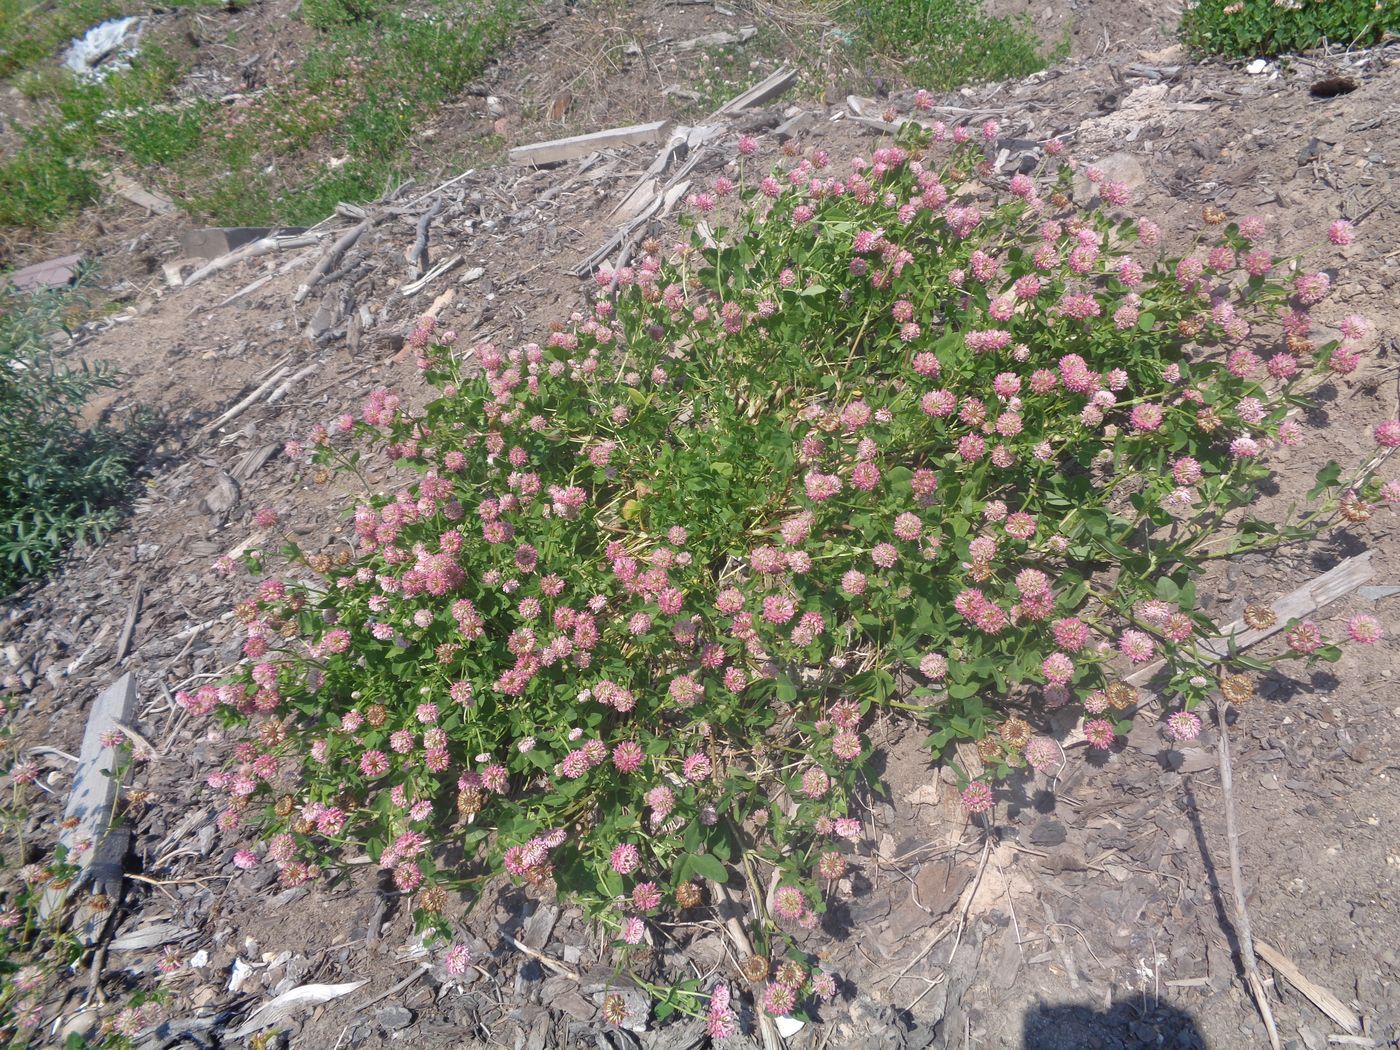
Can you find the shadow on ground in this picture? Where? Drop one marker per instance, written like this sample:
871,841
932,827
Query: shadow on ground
1124,1025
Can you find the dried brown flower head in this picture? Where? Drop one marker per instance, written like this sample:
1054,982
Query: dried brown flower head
1015,731
284,806
272,733
614,1009
375,715
791,974
433,900
989,749
470,800
1121,695
1237,688
1213,216
1259,617
1299,345
754,968
1355,509
688,895
1208,419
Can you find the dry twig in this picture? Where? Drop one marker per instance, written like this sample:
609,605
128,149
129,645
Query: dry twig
1242,930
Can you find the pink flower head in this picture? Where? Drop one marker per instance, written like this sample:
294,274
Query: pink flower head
627,756
625,858
977,797
457,959
1099,732
1041,753
1341,232
1136,646
1183,725
1365,629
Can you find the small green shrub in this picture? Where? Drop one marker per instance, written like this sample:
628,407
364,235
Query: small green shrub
1270,27
942,44
897,436
59,482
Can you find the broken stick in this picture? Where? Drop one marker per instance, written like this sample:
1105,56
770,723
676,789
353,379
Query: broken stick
418,256
329,260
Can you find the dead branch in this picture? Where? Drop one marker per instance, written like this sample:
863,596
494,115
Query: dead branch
329,260
418,256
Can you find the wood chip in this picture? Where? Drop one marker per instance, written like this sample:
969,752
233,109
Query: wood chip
1320,997
764,91
556,151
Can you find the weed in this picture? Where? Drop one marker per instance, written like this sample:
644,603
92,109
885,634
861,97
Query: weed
941,44
895,435
59,483
354,103
1270,27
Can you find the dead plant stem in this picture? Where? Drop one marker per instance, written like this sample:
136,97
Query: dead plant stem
1242,929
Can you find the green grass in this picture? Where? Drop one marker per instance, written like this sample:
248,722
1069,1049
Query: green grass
1246,28
942,44
934,44
371,77
30,32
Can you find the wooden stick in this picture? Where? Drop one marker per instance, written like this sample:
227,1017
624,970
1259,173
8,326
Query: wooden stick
450,182
329,260
394,990
1241,923
764,91
556,151
432,275
1304,601
290,381
418,257
1319,996
129,628
546,960
251,251
242,406
768,1032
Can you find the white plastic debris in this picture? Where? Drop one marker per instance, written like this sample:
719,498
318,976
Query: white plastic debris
787,1026
1259,65
103,48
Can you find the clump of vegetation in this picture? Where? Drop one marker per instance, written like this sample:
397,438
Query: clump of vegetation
1270,27
354,104
898,436
60,482
943,44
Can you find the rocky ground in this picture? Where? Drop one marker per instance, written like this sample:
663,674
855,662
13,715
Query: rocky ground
1095,914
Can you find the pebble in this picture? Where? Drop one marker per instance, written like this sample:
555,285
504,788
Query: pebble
392,1018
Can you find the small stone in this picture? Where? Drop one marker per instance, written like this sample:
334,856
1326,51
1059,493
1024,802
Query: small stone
392,1018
